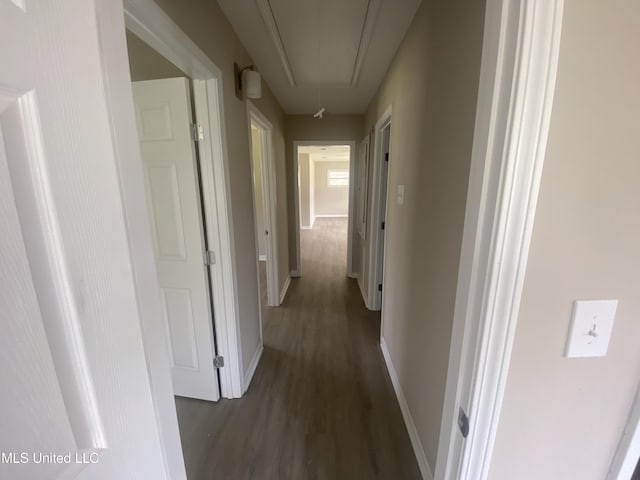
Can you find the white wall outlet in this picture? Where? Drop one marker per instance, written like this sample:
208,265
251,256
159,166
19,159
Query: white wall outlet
591,328
400,195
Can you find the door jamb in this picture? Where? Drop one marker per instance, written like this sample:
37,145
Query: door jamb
351,220
628,453
269,195
374,298
296,193
515,97
297,272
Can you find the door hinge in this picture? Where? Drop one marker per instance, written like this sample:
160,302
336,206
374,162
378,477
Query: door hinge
382,225
463,423
218,361
209,258
197,132
379,287
386,157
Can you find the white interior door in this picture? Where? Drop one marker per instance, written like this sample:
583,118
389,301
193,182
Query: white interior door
75,400
163,115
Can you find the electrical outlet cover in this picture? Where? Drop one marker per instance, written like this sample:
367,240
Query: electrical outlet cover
591,328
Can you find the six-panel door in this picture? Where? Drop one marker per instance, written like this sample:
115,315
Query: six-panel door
163,115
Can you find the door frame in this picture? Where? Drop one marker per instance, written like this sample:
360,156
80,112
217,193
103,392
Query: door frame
155,28
296,190
149,22
269,197
376,247
627,454
515,97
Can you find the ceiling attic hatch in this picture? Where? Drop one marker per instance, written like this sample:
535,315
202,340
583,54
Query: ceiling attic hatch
320,43
334,49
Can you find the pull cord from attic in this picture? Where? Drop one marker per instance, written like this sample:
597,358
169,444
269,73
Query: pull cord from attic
320,113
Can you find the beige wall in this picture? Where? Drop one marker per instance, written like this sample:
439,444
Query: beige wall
330,200
257,190
432,84
206,25
562,418
304,189
340,128
147,64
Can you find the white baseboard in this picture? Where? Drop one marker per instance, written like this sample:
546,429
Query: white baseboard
262,258
248,376
406,414
331,215
285,287
306,228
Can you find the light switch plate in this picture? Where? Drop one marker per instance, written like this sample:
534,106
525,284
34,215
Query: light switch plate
591,328
400,195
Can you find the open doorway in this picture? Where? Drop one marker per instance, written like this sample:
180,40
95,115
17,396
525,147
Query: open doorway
324,196
185,217
377,228
264,207
164,110
150,24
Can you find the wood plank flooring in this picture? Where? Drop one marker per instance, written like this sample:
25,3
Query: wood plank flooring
321,404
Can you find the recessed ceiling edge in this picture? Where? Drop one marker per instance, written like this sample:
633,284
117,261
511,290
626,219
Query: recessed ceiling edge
266,12
272,27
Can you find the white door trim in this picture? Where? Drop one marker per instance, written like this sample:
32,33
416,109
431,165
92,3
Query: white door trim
297,272
149,22
628,452
351,225
376,250
517,81
151,309
216,192
269,194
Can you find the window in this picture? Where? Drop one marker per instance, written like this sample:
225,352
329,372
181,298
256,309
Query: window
337,178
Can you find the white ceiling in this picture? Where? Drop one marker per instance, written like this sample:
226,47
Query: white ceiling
326,153
321,53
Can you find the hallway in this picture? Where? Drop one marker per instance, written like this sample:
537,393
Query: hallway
321,404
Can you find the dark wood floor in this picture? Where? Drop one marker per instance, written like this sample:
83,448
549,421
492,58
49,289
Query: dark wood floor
321,404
